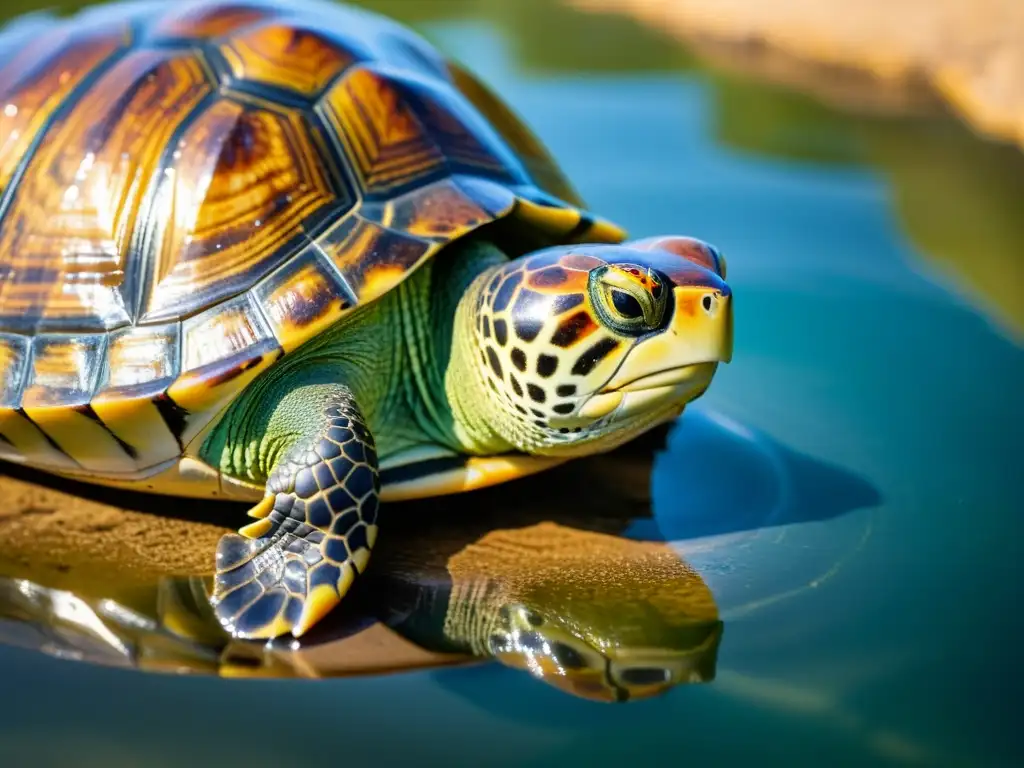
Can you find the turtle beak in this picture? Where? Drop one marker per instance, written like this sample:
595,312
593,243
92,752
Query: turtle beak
676,364
699,332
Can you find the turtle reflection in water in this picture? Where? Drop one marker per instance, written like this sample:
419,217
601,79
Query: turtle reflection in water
538,586
595,615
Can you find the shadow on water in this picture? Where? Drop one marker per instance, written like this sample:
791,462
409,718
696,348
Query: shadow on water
573,577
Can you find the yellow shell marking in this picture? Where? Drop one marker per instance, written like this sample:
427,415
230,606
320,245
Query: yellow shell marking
141,362
61,380
388,146
244,183
224,349
304,297
287,55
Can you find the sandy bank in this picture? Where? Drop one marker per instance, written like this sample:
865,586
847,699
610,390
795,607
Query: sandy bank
970,53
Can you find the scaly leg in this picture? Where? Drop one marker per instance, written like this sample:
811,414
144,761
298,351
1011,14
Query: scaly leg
315,529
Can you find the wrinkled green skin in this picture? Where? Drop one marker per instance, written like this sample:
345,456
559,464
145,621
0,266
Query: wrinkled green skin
312,430
403,372
393,355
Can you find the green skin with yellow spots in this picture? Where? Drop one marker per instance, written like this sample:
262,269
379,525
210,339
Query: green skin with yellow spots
564,352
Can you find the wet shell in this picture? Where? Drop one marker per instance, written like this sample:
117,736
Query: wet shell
190,194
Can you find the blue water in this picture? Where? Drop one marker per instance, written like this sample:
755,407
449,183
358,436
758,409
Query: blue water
871,602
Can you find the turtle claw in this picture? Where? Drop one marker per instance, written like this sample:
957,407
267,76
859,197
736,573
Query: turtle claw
270,586
257,529
263,509
312,537
320,601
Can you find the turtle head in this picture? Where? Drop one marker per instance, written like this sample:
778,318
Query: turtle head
565,653
577,349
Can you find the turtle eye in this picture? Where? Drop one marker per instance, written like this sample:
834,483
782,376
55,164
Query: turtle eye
626,305
629,299
567,657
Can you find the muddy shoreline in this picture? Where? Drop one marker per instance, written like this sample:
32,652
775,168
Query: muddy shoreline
966,55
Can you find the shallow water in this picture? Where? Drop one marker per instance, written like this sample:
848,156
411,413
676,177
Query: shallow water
845,489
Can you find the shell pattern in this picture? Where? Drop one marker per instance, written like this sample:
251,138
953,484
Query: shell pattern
187,195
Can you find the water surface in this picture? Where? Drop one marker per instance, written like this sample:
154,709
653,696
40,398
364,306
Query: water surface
846,489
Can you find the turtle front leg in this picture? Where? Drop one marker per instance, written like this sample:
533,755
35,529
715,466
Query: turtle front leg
315,529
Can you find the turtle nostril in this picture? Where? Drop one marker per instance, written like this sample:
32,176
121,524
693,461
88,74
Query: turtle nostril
709,303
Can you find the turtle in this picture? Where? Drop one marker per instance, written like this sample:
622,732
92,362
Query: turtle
289,253
553,588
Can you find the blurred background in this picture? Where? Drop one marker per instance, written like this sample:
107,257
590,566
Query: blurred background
846,492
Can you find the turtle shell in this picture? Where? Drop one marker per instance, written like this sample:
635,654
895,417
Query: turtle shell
190,194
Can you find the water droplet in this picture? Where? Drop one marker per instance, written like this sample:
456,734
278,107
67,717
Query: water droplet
11,110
